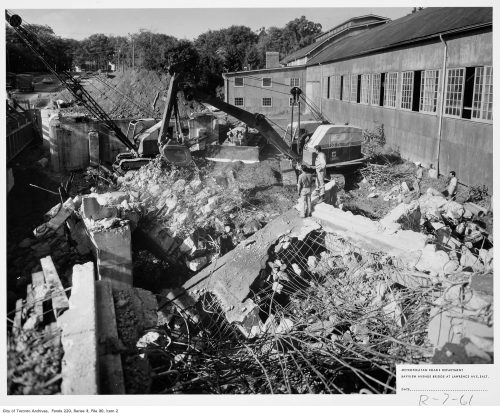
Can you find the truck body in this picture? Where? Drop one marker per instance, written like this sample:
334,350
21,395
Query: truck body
340,143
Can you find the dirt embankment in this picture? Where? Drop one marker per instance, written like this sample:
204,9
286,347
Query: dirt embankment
129,94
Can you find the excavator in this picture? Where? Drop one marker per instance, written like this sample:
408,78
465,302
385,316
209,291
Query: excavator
176,149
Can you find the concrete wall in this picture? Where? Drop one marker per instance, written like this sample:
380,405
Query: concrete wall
253,91
69,141
465,144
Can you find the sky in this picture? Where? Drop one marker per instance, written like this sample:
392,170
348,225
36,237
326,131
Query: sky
187,23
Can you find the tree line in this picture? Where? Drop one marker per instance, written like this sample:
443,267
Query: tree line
208,56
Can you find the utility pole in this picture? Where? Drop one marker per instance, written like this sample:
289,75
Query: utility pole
133,50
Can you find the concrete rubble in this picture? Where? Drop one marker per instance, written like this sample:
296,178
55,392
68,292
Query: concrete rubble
258,277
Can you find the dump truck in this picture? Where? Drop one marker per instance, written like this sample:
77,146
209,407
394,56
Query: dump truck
340,143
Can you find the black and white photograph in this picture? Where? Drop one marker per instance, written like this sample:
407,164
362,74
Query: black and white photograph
248,199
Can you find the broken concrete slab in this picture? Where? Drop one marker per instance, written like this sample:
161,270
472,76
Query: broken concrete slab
367,234
79,364
407,215
92,209
230,277
113,247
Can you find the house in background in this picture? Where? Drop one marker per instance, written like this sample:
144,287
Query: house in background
426,77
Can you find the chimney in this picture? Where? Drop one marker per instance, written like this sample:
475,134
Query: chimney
272,59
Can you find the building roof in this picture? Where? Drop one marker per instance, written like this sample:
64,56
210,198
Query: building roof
345,27
373,17
424,24
298,54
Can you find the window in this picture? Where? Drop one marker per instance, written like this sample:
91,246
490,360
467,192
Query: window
354,88
429,84
268,102
295,81
238,101
365,89
454,92
391,82
238,82
375,86
482,103
345,88
327,88
267,82
336,87
407,90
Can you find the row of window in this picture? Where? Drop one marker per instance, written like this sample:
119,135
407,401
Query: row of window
266,102
266,82
469,91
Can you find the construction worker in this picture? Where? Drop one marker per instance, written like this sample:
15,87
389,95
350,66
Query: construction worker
304,189
419,173
451,190
320,165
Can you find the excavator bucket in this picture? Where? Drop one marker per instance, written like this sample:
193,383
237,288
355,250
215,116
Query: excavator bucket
176,154
229,153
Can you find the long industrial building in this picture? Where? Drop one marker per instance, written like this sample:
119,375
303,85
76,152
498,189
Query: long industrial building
426,77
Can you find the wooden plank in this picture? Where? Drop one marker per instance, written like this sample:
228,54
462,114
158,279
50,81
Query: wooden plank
60,301
16,328
39,293
29,300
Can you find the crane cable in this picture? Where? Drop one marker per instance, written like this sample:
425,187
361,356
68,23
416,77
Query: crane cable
75,88
137,104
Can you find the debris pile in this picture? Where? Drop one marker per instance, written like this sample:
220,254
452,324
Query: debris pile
49,238
460,232
322,327
34,350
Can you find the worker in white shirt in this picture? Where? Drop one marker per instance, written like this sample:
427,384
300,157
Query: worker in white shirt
320,165
451,190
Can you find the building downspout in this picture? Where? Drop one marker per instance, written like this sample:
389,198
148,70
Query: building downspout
441,110
321,91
